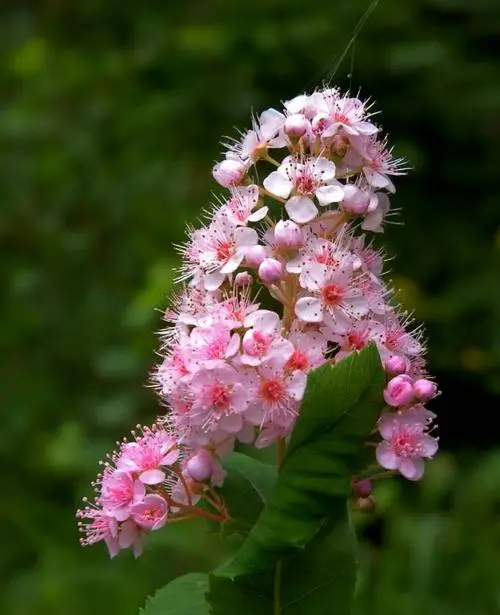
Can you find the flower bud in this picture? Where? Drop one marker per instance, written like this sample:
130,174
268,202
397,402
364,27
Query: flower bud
255,255
200,466
243,279
296,125
363,488
424,389
271,270
229,172
355,201
287,235
396,366
399,391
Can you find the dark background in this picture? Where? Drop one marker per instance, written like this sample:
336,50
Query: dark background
110,120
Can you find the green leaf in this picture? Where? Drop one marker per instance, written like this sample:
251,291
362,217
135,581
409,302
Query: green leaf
247,486
340,408
183,596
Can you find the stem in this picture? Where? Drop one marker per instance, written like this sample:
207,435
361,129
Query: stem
264,192
277,590
272,160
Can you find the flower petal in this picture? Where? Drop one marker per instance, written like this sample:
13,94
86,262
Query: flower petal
332,193
301,209
152,477
386,457
278,184
309,309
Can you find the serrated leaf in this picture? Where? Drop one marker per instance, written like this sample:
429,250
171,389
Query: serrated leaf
182,596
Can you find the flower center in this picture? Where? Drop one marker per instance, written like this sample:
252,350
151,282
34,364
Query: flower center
341,117
224,250
332,294
298,360
271,390
404,445
220,397
356,340
259,344
305,182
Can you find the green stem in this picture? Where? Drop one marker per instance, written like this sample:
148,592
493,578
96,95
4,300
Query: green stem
277,590
280,455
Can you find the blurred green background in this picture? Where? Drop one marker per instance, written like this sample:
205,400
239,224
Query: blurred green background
110,118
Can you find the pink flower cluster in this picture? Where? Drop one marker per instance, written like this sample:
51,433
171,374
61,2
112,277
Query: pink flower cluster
281,279
142,484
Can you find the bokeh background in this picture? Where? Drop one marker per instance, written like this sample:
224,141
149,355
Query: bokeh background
110,120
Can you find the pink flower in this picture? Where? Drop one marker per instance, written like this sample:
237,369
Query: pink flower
211,345
239,209
120,491
314,177
151,513
148,454
406,443
219,400
263,341
341,113
352,335
309,351
217,250
98,525
275,394
329,292
266,133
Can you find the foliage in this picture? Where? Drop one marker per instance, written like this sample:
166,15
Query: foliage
110,117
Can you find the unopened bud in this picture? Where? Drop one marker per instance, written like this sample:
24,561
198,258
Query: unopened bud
200,466
255,255
243,279
396,366
399,391
271,270
296,125
363,488
287,235
229,172
424,389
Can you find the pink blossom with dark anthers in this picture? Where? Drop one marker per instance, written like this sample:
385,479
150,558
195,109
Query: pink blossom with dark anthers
240,209
406,443
275,394
220,400
329,292
299,180
340,113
